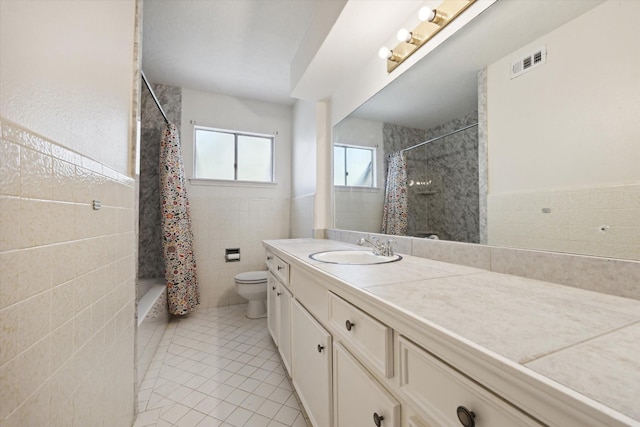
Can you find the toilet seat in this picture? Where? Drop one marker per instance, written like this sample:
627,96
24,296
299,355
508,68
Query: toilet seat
251,277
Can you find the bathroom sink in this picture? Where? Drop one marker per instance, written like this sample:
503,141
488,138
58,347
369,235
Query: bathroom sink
353,257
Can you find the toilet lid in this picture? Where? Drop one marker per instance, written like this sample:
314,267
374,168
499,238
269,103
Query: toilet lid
252,277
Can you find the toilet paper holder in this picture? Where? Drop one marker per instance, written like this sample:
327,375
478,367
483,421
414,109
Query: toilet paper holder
232,255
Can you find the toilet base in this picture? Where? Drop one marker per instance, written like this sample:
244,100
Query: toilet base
256,309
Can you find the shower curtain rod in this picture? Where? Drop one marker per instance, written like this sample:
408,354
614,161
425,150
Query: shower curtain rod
146,82
438,137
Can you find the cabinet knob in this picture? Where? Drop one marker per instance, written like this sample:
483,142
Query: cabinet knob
377,419
273,288
278,293
466,417
280,267
320,348
269,258
349,325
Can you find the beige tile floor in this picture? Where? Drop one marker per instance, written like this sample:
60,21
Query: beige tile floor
215,367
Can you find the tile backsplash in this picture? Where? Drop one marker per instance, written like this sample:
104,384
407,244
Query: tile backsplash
606,275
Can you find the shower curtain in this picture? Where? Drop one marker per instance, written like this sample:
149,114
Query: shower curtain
177,237
394,216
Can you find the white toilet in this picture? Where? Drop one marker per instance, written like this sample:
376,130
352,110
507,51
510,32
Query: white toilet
252,285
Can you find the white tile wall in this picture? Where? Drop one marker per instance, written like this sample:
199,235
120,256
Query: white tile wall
601,221
233,222
66,286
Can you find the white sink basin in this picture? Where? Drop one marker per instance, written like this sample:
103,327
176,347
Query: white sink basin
353,257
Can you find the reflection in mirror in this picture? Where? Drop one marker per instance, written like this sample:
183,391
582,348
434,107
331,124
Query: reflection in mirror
553,162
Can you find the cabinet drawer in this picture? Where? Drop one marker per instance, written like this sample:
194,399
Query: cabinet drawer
369,339
278,267
311,293
358,398
440,392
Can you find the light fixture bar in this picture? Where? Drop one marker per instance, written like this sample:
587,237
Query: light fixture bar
445,13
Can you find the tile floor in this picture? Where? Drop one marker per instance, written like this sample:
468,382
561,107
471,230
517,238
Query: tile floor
218,368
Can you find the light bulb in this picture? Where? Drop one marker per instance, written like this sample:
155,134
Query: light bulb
426,14
385,53
404,35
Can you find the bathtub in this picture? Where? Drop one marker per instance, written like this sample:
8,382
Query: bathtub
153,317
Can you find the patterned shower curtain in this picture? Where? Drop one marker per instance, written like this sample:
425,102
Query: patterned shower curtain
394,216
177,237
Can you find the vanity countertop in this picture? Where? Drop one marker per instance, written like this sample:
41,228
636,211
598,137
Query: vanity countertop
586,341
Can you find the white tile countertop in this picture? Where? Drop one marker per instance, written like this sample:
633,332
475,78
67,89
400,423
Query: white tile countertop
585,341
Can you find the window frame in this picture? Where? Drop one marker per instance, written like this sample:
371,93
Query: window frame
236,134
374,157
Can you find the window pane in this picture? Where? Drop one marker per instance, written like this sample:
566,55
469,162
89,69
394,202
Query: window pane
254,158
359,167
338,165
215,152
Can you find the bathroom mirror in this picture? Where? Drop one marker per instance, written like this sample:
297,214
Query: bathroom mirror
553,163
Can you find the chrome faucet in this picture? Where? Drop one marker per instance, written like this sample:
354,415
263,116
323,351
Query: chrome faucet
379,248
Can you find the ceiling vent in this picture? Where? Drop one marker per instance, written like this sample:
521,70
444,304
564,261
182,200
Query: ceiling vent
528,62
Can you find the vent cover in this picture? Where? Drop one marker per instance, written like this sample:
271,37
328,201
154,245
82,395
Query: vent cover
528,62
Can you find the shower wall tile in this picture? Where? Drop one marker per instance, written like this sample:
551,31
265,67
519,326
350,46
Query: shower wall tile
150,257
483,153
444,196
66,285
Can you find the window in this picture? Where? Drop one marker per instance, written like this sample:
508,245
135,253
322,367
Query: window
233,156
354,165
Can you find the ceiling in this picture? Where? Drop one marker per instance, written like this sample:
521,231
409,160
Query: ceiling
268,50
240,48
248,49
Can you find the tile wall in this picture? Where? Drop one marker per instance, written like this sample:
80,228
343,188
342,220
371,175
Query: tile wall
610,276
233,222
601,221
444,196
150,257
67,275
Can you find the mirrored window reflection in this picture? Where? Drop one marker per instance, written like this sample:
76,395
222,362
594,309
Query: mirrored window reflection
353,166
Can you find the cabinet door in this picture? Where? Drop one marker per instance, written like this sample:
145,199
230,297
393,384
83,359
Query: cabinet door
283,308
359,400
272,312
311,365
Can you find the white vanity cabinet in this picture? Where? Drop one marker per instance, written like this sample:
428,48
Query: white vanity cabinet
366,337
311,363
272,311
448,398
279,307
359,400
362,356
283,308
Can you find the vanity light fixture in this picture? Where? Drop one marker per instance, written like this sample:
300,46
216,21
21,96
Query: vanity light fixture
432,21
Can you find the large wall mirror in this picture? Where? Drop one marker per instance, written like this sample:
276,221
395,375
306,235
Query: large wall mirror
546,159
